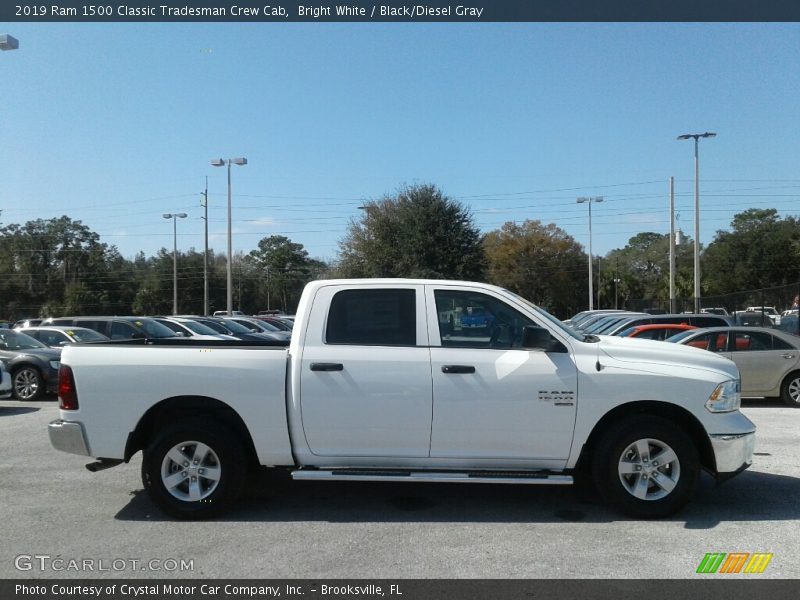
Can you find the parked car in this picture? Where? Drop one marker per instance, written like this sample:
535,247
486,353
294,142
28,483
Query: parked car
767,310
190,328
658,331
591,320
118,328
606,322
234,329
476,318
32,365
768,360
789,324
259,326
716,311
281,323
270,312
56,336
575,320
698,320
27,323
224,313
748,318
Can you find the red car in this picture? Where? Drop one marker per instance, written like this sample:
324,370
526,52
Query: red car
656,331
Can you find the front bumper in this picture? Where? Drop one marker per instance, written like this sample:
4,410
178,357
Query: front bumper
733,453
68,436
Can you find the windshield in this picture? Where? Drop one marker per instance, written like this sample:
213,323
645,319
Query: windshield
216,327
234,327
12,340
198,328
86,335
546,315
264,326
152,328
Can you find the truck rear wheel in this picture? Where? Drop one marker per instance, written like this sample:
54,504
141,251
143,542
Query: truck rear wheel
646,466
194,470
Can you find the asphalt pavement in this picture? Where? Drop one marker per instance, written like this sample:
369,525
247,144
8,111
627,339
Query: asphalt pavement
59,520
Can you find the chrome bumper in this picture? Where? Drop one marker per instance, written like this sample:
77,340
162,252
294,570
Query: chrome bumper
68,437
733,452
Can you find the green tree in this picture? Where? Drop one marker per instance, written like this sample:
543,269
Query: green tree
761,250
278,270
539,262
419,232
43,259
642,268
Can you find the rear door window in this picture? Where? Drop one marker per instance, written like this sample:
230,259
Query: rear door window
121,331
377,317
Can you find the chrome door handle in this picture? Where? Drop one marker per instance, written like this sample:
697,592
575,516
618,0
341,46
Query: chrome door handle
788,356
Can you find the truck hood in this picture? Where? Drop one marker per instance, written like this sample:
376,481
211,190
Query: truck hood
649,352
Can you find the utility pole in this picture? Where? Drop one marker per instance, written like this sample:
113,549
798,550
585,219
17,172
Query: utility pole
589,200
205,256
672,245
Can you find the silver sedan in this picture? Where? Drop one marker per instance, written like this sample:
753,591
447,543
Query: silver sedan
768,360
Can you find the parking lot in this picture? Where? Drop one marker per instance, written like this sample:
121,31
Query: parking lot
51,506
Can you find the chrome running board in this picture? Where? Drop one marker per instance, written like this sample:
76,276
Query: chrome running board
524,477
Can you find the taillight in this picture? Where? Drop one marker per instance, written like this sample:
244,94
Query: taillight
67,395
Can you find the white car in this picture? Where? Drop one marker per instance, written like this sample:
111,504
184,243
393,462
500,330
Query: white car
767,310
188,328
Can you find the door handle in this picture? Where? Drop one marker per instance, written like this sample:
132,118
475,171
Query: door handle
788,356
327,367
458,369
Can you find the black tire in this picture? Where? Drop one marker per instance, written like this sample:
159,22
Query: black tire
27,384
790,390
227,460
617,450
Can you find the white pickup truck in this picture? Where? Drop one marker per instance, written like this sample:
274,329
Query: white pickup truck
380,382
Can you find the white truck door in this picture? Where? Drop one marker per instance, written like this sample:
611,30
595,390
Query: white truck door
492,399
365,383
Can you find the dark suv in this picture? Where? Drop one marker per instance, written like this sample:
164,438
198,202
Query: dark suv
118,328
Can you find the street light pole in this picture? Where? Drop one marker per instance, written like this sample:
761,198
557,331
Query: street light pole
590,200
205,256
696,137
174,217
219,162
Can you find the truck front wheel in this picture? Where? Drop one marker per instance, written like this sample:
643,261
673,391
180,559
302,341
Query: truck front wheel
194,470
646,466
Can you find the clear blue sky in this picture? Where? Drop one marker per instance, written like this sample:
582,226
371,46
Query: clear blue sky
115,124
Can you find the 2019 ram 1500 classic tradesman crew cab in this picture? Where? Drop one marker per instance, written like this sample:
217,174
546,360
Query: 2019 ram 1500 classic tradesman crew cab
377,385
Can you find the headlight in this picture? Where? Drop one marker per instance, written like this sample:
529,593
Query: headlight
725,397
54,364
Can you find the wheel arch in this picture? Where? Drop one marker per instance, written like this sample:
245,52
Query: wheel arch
671,412
785,382
171,409
15,364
